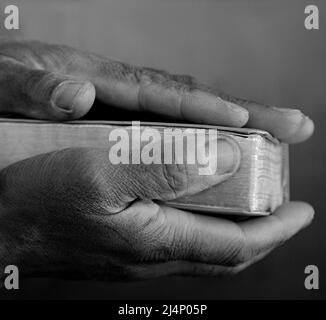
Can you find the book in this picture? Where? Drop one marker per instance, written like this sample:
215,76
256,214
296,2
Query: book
260,184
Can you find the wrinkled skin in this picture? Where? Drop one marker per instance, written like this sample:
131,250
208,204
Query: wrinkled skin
72,214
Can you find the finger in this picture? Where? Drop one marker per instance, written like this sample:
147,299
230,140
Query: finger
41,94
269,232
288,125
154,91
186,268
133,88
205,269
217,241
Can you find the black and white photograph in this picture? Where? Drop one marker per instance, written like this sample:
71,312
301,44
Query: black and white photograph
162,155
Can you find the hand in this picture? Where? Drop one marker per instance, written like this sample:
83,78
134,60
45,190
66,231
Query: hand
72,213
59,83
66,219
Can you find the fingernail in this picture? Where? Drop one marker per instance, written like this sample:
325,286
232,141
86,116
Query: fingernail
65,95
224,156
242,113
287,110
308,126
236,107
228,156
306,123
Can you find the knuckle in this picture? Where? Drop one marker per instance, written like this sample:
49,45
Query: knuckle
155,239
39,84
239,251
243,255
175,178
178,82
188,81
153,76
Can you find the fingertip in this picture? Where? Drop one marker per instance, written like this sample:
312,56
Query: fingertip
307,210
271,231
287,125
302,129
307,130
292,125
296,213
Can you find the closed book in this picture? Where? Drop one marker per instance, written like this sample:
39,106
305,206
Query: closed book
260,184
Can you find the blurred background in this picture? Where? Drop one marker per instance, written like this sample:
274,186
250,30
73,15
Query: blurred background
255,49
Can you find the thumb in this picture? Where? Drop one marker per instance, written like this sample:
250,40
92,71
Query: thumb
41,94
87,177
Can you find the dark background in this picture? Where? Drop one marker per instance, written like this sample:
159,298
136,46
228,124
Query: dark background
257,49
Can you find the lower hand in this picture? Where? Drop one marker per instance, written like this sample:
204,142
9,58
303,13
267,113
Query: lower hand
72,213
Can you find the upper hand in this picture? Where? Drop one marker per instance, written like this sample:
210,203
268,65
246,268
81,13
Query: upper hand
60,83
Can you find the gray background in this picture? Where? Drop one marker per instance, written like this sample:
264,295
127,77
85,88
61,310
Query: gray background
253,49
